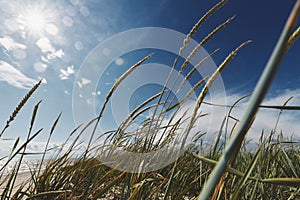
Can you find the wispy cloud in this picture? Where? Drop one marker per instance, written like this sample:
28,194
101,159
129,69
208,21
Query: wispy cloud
14,77
9,44
265,119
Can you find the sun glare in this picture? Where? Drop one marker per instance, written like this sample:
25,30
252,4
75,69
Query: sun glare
35,21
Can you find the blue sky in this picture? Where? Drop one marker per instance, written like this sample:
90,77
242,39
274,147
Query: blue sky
52,40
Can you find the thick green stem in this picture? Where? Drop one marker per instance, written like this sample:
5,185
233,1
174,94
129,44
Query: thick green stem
254,103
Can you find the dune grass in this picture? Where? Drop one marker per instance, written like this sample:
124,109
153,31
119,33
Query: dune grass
72,171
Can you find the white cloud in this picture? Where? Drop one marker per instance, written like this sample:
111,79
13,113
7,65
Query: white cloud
83,82
9,44
37,147
265,118
14,77
56,54
46,47
64,74
44,59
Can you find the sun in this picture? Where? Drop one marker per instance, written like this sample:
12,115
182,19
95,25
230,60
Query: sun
34,22
37,19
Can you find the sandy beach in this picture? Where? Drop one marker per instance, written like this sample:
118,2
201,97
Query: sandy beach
22,178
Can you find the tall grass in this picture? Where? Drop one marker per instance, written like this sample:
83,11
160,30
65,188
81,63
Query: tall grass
72,170
257,97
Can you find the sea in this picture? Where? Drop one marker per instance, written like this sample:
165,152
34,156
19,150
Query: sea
28,164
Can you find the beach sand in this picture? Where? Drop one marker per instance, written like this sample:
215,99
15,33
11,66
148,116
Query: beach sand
22,179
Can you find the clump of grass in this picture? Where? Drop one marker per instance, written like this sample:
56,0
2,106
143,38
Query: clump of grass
256,99
72,171
268,173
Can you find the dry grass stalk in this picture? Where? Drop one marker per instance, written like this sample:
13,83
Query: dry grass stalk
20,106
204,41
110,93
201,21
293,38
208,85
